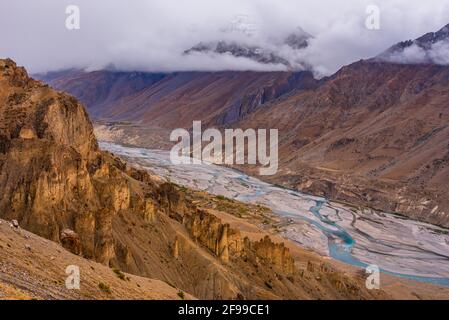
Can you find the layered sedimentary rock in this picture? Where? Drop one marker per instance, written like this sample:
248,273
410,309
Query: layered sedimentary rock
226,243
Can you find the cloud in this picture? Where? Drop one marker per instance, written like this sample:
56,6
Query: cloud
438,53
151,35
413,54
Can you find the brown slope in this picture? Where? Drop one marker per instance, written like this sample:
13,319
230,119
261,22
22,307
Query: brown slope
53,177
175,100
34,268
374,133
100,90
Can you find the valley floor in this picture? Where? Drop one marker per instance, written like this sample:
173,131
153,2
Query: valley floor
418,254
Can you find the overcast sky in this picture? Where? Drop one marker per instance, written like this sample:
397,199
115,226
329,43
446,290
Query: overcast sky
150,35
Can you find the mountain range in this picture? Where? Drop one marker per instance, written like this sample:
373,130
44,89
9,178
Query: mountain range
373,134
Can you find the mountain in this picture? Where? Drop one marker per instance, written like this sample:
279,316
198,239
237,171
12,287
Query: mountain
239,50
57,184
176,99
100,90
269,54
433,47
426,41
374,134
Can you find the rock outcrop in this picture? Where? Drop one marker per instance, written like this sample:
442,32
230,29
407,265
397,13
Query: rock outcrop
208,230
52,175
276,254
71,241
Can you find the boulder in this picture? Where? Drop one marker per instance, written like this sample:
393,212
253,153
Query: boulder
70,240
15,223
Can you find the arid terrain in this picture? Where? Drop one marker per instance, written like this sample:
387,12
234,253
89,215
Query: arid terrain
70,196
211,157
353,235
35,268
78,205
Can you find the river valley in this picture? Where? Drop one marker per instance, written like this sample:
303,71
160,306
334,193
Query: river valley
397,245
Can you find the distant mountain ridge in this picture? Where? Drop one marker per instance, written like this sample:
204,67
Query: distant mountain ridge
176,99
426,40
433,47
272,54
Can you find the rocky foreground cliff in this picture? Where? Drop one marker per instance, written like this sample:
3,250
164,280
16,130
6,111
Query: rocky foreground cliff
57,184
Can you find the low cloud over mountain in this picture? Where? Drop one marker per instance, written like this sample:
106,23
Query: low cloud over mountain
433,48
153,35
